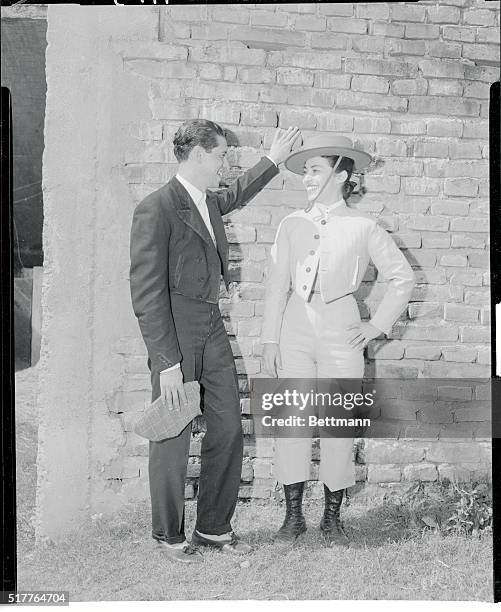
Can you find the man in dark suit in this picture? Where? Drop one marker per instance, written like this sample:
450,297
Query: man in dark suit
178,253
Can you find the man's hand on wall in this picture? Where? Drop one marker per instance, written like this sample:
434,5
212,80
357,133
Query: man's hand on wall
282,144
172,389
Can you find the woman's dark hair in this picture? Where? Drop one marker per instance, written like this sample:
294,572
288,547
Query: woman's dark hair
345,164
195,132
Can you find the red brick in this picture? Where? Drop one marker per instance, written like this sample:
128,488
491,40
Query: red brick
441,69
254,75
332,8
386,184
474,89
419,331
380,67
487,35
430,277
431,310
459,312
273,94
481,53
330,80
470,278
420,186
421,31
268,18
438,106
450,207
310,96
424,472
431,148
465,150
220,112
443,14
482,17
238,14
331,122
310,23
329,40
388,30
391,147
297,8
484,355
474,169
488,74
439,369
432,223
458,33
453,259
437,293
348,26
445,88
305,59
436,240
478,297
349,99
257,116
370,84
444,127
395,47
211,31
301,119
475,334
294,76
407,12
479,260
188,13
470,224
423,351
368,44
410,127
222,91
442,49
236,53
270,39
372,125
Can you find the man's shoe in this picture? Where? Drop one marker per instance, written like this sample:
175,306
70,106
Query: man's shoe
186,554
330,525
232,546
294,523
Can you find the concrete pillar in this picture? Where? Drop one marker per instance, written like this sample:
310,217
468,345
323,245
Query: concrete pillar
85,295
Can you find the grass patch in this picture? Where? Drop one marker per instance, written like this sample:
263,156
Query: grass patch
394,554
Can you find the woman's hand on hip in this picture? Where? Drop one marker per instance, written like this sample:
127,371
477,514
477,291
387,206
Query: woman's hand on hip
361,334
272,359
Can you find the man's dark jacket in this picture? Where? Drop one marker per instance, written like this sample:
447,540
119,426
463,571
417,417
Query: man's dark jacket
172,251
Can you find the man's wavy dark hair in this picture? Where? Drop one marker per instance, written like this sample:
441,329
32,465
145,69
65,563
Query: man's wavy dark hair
195,132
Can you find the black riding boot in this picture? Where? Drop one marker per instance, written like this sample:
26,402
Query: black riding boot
294,524
330,525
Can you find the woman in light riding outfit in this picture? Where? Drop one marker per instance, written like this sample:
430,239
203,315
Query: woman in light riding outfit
324,251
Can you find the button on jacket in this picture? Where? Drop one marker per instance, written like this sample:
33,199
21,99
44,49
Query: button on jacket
329,252
172,251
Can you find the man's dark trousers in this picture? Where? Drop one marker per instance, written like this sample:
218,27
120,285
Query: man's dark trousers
207,357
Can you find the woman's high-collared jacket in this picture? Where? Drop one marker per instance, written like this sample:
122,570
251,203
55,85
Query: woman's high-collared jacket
339,249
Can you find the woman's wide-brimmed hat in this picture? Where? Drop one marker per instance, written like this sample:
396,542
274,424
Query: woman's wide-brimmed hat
327,144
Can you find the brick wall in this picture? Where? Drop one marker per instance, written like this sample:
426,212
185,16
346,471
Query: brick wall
409,82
